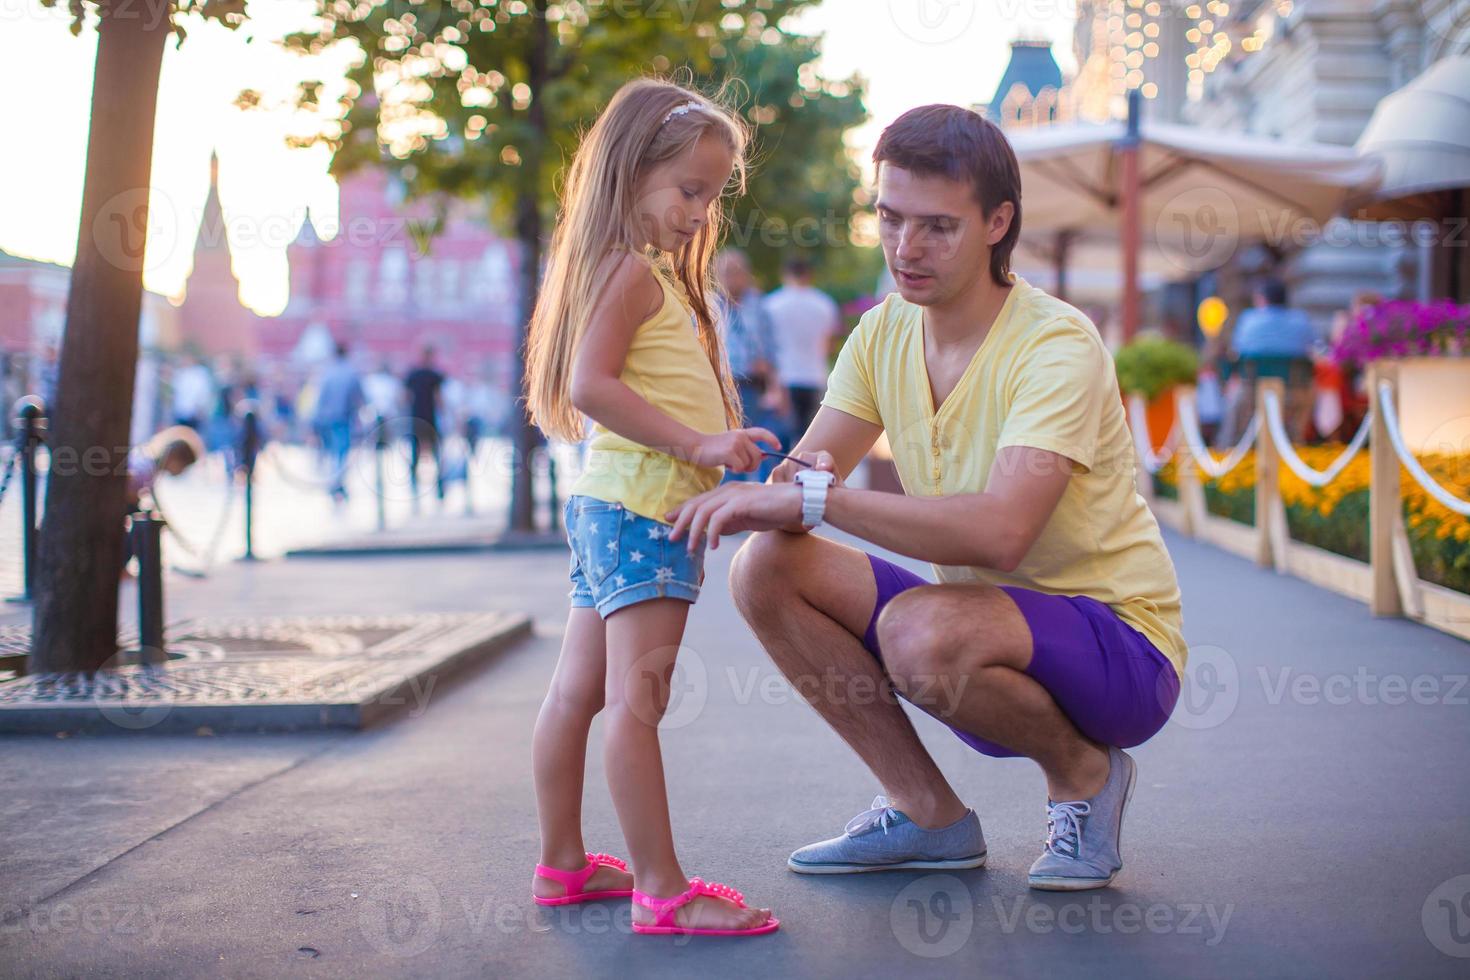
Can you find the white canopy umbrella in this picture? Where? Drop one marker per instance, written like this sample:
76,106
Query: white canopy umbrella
1199,194
1421,137
1087,269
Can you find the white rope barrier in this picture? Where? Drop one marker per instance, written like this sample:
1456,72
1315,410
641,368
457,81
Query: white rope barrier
1189,427
1420,475
1142,444
1312,477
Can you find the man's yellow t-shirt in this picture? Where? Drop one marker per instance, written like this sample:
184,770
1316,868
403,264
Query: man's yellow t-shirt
1042,378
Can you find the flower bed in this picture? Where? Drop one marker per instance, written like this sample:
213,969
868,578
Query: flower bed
1335,517
1406,328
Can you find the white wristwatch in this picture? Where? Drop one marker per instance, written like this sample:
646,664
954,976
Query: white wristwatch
814,484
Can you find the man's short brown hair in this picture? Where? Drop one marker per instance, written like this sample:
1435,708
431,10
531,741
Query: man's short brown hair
948,141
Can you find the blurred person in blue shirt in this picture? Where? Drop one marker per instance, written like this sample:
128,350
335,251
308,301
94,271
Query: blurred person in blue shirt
751,347
1272,329
1273,341
339,399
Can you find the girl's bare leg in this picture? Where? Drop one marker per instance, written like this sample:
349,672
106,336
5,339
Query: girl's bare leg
559,753
642,645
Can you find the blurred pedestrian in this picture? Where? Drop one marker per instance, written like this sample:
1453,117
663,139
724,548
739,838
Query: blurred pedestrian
168,453
1272,340
1341,399
338,400
749,343
193,393
223,431
384,392
424,384
806,324
485,408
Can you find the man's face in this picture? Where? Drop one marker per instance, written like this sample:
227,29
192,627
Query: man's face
935,236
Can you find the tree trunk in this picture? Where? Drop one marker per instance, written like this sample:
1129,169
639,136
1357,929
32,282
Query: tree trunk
522,492
82,532
528,233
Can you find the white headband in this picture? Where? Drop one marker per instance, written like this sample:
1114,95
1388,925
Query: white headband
680,110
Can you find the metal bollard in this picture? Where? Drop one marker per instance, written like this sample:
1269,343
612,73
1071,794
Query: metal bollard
31,412
470,437
380,450
249,451
146,529
551,487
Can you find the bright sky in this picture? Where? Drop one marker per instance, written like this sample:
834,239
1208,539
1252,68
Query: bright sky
911,51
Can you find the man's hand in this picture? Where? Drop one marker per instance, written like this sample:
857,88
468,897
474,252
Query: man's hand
821,460
735,507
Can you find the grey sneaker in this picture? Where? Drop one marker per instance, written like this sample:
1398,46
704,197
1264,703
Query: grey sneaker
1084,837
885,839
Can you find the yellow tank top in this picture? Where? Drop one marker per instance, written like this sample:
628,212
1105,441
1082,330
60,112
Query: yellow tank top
668,367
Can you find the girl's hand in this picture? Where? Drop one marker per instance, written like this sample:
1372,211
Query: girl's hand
738,449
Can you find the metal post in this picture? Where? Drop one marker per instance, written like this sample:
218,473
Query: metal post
32,417
1061,256
249,451
380,449
551,481
469,464
1128,150
147,536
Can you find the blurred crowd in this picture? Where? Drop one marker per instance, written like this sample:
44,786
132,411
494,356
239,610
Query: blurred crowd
780,345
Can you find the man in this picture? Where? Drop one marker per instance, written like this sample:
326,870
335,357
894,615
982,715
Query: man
338,400
805,322
424,383
748,342
1273,341
1055,631
1271,329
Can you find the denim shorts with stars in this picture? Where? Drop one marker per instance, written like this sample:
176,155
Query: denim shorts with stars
619,558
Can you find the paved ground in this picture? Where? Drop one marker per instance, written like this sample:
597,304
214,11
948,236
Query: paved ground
1305,813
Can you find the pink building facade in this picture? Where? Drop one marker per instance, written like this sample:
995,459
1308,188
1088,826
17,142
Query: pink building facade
387,289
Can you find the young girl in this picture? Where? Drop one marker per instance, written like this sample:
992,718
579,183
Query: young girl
623,334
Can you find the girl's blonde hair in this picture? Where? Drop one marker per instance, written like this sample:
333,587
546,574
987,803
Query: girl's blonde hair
638,130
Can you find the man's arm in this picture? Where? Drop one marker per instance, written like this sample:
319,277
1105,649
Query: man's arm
991,529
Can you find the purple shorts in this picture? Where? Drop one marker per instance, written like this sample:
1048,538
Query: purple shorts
1114,685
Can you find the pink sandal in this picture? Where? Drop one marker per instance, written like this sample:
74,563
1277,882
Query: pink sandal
663,910
573,881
